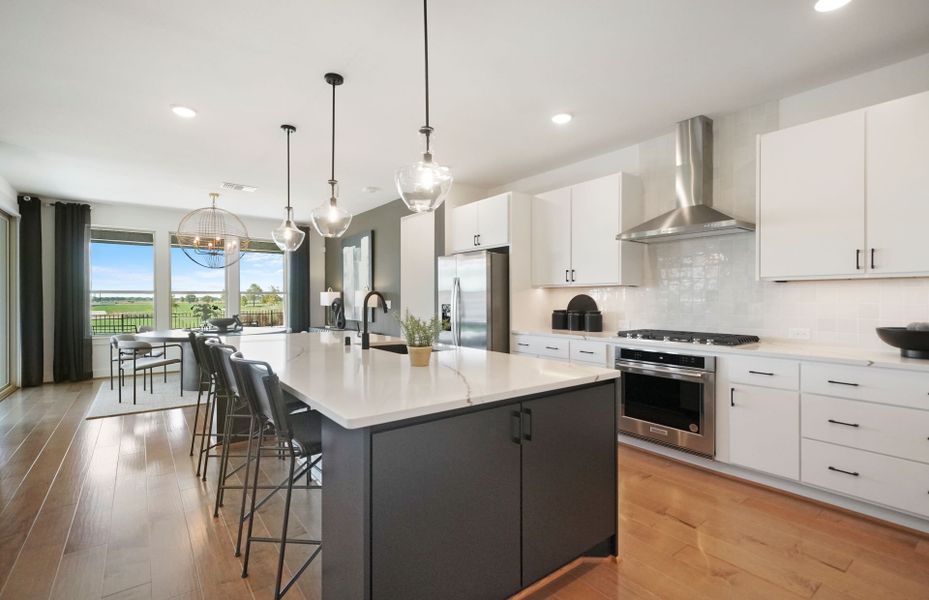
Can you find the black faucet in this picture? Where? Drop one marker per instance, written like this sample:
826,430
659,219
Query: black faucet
365,338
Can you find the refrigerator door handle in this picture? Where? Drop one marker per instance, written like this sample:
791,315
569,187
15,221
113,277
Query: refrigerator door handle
456,311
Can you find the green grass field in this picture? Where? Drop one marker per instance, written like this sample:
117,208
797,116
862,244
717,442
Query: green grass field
179,307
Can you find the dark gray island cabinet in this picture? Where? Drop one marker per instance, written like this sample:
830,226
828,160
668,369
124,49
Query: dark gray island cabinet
476,502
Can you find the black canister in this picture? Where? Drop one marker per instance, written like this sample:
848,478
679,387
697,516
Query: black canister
559,319
576,320
593,320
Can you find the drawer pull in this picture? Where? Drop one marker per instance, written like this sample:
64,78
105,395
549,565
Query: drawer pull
843,423
551,347
853,473
842,383
522,344
761,373
586,351
732,396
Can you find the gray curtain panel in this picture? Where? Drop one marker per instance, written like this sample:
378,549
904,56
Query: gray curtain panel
72,354
298,286
32,348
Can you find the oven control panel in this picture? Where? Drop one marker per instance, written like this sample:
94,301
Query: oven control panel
664,358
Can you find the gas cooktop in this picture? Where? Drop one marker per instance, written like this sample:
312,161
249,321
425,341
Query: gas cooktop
692,337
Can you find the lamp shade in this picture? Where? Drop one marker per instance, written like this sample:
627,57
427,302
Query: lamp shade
328,297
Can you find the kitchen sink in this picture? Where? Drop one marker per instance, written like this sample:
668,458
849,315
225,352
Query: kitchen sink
401,348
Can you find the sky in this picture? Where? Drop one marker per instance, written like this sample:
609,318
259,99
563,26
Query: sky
129,267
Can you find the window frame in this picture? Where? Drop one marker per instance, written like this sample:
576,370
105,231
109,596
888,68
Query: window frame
284,292
91,291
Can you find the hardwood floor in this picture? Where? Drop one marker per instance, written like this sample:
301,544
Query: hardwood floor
111,509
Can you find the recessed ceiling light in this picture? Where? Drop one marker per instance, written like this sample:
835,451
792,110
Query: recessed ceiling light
370,189
829,5
562,118
183,111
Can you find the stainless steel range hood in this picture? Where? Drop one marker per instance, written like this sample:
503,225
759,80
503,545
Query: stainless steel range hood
694,215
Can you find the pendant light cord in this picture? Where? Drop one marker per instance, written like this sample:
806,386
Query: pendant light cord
288,172
427,129
332,180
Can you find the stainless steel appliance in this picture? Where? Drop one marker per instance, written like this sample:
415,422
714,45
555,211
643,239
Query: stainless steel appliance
668,397
694,215
692,337
474,300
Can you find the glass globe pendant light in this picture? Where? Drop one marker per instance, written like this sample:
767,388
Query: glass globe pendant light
330,219
423,185
288,236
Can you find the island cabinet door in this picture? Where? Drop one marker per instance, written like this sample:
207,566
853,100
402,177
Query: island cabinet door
569,478
445,508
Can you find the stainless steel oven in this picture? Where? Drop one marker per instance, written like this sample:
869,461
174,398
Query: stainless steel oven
669,398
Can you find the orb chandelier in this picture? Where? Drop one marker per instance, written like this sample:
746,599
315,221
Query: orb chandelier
424,184
288,236
329,219
212,237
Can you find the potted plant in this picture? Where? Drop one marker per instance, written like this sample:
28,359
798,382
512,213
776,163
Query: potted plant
420,335
204,311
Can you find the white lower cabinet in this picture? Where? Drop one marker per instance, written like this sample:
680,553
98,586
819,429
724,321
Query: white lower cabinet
561,348
764,429
893,482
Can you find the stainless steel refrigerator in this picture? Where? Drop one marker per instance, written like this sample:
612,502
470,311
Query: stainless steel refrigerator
474,300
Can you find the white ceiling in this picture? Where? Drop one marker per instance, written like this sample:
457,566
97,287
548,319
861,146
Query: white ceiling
85,86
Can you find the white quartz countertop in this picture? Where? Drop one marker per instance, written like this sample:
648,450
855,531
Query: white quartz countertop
359,388
864,357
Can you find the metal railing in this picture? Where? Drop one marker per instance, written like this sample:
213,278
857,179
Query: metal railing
113,323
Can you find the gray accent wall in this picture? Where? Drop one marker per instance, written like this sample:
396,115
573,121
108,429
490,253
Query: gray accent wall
384,221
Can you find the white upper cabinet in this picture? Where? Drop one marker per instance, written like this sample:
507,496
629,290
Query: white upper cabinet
847,196
481,224
898,186
811,199
551,238
574,234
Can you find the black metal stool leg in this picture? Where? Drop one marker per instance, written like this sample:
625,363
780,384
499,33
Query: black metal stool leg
248,463
283,546
251,520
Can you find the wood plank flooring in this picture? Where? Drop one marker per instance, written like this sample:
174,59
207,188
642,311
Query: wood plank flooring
111,509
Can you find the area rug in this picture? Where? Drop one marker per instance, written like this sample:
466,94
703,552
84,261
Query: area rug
165,397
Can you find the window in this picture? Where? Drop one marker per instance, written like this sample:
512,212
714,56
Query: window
262,284
193,289
122,281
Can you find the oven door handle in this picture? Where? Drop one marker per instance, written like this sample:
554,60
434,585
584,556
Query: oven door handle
666,372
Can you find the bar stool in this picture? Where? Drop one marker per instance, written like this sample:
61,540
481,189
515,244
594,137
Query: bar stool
301,434
205,384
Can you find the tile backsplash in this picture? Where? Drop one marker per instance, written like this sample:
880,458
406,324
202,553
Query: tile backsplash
709,284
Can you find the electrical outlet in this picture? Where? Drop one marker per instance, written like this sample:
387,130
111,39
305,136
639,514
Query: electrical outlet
798,333
387,302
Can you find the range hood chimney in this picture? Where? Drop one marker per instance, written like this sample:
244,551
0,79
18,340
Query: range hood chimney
693,183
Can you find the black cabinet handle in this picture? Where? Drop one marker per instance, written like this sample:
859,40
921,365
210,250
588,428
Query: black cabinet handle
474,240
842,383
761,373
843,423
566,274
586,351
527,424
857,259
478,239
731,396
572,274
515,427
522,344
852,473
551,347
872,258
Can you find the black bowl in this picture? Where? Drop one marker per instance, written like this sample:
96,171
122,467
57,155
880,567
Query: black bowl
222,323
912,344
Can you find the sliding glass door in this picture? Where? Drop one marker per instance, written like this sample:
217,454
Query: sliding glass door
6,305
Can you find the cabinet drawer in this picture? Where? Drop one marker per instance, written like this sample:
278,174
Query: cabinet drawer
886,386
894,482
592,352
769,372
900,432
552,347
524,344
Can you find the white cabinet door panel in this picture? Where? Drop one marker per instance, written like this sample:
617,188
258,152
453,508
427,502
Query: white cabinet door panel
551,238
493,221
464,228
595,209
812,199
764,430
898,186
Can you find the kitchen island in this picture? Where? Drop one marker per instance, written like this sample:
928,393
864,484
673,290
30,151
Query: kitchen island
471,478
